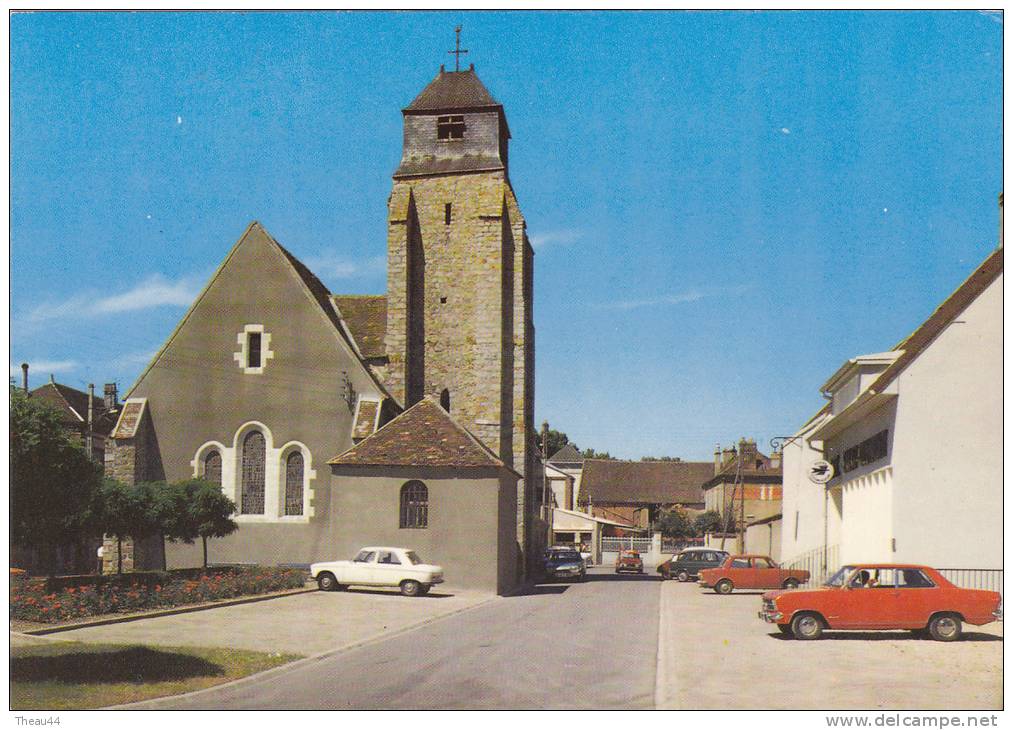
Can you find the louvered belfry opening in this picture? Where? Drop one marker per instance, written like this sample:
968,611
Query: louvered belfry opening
294,483
414,505
254,456
213,468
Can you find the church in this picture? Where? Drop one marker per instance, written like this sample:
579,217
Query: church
337,421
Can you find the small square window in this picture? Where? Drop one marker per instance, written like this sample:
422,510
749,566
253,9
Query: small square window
443,300
450,127
447,215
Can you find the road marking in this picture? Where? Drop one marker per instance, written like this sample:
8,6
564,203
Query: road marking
662,697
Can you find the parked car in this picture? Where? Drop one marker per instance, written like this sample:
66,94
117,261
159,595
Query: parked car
750,571
688,563
629,561
564,564
379,566
882,596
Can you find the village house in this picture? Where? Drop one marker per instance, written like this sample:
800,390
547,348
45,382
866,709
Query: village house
745,486
335,421
914,435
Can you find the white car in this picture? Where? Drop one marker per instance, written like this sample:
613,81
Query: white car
379,566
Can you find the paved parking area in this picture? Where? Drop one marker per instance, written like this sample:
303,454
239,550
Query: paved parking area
307,623
714,653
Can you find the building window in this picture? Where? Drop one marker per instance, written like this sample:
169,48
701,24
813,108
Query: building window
213,468
414,505
450,127
293,483
254,455
445,400
447,213
872,449
253,350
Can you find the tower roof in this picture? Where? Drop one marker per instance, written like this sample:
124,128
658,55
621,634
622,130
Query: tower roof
453,90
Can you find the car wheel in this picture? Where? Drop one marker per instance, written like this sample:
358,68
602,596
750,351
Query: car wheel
945,627
327,582
682,576
410,587
807,626
791,584
724,587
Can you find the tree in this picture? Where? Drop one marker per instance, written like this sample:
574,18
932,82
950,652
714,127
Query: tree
128,511
592,454
709,521
196,508
555,440
660,458
53,480
676,523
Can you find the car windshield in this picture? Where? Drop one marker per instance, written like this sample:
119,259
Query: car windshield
562,556
364,556
412,557
837,579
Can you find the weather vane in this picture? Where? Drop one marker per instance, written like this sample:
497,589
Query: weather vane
457,52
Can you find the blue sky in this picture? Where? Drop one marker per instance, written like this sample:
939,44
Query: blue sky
724,205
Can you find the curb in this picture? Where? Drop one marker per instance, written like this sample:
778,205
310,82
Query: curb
156,702
165,612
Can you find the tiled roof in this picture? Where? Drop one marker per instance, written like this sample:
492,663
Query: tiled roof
644,482
365,420
366,318
73,404
424,435
954,304
566,455
453,90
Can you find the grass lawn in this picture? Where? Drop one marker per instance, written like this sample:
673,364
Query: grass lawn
75,676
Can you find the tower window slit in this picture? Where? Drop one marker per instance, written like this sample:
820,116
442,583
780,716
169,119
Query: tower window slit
447,213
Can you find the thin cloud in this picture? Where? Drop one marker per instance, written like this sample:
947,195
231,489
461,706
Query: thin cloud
562,237
785,130
155,291
336,267
694,295
45,366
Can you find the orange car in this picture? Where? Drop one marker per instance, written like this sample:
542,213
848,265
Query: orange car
750,571
629,560
882,596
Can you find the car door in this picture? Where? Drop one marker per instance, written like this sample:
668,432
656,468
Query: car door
765,574
918,597
388,570
739,572
361,569
870,600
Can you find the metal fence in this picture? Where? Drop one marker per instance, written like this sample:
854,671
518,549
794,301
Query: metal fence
985,579
615,544
821,564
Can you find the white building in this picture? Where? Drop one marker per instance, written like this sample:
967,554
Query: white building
915,437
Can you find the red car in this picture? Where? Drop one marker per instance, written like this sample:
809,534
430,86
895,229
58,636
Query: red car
629,560
750,571
882,596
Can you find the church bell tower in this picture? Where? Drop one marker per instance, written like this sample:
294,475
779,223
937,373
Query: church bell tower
459,286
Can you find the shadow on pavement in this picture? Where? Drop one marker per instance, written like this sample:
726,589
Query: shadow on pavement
541,589
971,636
621,577
135,664
376,592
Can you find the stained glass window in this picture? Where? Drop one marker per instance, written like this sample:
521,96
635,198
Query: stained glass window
293,483
213,468
254,455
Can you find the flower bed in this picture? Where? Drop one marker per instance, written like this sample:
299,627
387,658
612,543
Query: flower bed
32,601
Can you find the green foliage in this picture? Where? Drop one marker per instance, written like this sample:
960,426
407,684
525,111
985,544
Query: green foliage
660,458
196,508
53,480
709,521
555,440
675,523
592,454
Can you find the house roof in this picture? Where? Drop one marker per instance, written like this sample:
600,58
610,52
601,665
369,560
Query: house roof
453,90
73,406
566,455
424,435
644,482
366,319
957,302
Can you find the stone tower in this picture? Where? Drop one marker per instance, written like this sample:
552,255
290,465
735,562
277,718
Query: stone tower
459,282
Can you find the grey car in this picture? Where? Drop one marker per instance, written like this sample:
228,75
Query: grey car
687,564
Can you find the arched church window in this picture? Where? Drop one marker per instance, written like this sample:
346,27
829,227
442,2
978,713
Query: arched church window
293,483
213,467
445,400
414,505
254,456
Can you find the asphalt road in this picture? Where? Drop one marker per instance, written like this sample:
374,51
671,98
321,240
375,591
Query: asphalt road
587,645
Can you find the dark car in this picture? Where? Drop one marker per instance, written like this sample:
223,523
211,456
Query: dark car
567,564
687,564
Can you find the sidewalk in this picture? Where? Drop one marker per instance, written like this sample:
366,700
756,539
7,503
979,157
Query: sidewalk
306,623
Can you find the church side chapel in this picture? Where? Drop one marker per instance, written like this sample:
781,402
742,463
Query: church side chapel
337,421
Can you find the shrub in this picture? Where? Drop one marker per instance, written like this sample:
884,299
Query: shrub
36,601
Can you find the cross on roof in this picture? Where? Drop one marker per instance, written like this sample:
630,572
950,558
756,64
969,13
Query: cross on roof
457,52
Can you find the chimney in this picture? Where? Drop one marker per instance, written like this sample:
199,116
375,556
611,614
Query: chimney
717,458
727,455
24,376
91,417
110,396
